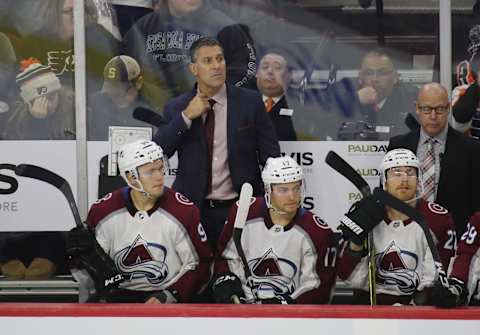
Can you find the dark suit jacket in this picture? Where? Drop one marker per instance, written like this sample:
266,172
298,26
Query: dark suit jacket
250,135
344,101
283,123
459,182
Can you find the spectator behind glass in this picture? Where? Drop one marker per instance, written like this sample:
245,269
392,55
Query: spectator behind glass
273,77
130,11
160,42
22,17
466,96
45,110
52,44
375,106
256,16
32,255
114,105
8,69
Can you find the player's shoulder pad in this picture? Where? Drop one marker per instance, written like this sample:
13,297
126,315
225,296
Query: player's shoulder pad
475,219
312,220
319,222
179,206
255,210
316,220
437,216
436,208
256,207
104,206
318,230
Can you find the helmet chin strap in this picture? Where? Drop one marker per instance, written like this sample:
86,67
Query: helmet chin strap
280,211
277,210
139,189
268,200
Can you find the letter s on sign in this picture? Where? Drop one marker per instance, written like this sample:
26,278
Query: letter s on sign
8,180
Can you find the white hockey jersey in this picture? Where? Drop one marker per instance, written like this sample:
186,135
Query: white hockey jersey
403,261
297,260
164,247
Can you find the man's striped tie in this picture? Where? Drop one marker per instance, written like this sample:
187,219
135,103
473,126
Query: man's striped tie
428,171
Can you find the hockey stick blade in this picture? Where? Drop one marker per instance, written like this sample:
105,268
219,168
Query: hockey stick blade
243,205
148,116
49,177
341,166
389,200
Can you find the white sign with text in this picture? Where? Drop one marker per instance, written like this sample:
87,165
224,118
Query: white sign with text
30,205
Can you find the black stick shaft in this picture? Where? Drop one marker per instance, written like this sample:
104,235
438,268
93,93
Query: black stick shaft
49,177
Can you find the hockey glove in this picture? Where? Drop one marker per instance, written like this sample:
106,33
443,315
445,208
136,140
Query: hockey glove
455,295
79,241
362,217
84,252
225,287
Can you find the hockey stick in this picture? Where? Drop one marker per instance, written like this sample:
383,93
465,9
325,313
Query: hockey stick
148,116
39,173
341,166
240,219
389,200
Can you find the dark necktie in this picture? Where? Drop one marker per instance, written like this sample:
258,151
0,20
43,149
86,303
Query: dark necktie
209,134
428,170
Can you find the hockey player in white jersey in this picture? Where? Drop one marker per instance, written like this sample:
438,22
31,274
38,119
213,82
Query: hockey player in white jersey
291,252
152,233
404,268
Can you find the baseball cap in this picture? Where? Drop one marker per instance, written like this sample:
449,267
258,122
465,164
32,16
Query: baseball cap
119,74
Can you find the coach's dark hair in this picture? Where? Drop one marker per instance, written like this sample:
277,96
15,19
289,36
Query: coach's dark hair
202,42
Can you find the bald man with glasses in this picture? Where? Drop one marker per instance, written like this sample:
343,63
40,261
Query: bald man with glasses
450,161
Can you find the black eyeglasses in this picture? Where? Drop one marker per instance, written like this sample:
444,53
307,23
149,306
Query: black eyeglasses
440,110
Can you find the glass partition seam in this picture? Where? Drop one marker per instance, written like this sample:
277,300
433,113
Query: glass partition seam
80,105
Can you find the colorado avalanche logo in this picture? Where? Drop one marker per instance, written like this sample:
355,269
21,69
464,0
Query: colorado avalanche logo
272,275
319,222
143,261
436,208
396,269
183,199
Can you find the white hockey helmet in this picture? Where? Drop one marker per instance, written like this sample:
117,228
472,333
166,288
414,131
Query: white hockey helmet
135,154
281,170
400,157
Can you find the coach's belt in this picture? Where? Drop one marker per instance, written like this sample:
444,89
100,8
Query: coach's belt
211,203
